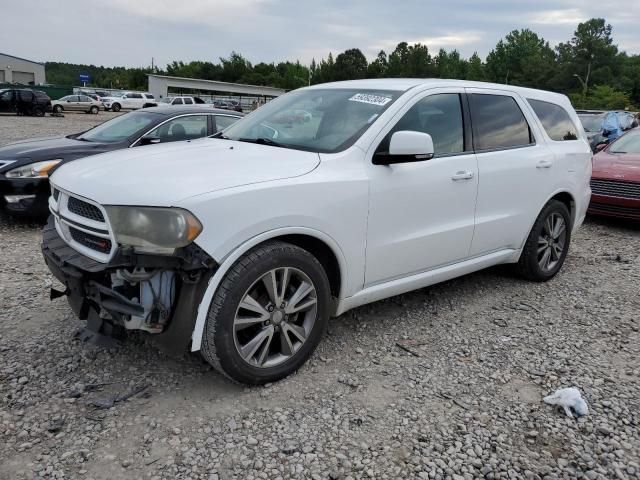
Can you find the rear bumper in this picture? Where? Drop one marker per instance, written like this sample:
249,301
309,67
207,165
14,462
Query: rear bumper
88,284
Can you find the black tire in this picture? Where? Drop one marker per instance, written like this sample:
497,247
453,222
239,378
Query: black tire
57,109
218,344
529,264
37,111
94,110
115,107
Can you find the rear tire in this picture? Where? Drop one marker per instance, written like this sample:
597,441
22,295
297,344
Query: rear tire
38,112
283,325
115,107
548,243
57,109
94,110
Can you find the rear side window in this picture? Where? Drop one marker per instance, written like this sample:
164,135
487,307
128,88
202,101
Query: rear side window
149,96
25,95
555,120
498,123
188,101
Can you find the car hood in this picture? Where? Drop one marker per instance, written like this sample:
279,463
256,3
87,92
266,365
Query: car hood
617,166
34,150
162,175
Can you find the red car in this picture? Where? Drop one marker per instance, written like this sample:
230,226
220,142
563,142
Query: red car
615,182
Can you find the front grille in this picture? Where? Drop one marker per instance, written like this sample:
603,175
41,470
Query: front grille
615,188
99,244
85,209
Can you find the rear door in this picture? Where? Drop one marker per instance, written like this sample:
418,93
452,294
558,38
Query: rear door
515,167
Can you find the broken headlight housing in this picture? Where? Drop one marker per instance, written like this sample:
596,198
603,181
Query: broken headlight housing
153,230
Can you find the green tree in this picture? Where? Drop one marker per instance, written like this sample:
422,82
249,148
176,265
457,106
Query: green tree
350,65
475,68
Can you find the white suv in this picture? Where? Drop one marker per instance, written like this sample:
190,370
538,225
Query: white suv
129,101
242,246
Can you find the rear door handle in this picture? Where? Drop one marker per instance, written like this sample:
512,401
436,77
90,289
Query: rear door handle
462,176
544,164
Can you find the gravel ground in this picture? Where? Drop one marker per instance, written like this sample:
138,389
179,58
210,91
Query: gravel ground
462,400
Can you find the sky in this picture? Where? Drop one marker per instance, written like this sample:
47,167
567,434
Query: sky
132,32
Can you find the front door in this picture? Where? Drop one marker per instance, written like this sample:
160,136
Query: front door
421,214
7,103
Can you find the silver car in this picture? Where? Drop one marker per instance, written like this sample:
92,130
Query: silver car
76,103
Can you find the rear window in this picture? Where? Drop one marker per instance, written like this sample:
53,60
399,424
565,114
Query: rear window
555,120
498,123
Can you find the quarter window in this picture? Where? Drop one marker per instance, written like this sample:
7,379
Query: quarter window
555,120
498,122
438,115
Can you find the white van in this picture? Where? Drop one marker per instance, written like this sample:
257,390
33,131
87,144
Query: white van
243,245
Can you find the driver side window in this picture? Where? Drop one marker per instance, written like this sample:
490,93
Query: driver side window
440,116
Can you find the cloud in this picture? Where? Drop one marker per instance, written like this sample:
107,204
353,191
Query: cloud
571,16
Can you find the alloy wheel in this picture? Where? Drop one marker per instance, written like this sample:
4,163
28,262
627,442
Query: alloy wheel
551,242
275,317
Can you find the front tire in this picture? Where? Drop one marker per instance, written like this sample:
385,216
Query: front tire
115,107
57,109
548,243
268,314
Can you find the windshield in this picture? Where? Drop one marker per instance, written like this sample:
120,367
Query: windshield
629,143
121,128
316,120
592,123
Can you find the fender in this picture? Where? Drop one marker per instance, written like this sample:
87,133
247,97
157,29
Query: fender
574,215
233,256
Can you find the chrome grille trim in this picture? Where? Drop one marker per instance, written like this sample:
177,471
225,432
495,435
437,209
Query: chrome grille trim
70,224
615,188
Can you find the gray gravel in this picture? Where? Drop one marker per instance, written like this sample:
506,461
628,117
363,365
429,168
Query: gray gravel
461,400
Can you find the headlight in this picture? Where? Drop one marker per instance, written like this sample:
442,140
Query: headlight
152,229
33,170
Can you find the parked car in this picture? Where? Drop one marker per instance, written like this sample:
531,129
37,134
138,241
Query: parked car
615,184
603,127
227,105
183,101
24,102
25,165
129,101
241,246
76,103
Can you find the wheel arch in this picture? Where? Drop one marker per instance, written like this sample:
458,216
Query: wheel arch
319,244
563,196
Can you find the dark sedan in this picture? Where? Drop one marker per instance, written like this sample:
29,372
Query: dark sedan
25,165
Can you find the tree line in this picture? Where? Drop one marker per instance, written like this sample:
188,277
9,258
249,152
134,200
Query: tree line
588,67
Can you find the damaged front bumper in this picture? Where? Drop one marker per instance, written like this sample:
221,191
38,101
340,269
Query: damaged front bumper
153,293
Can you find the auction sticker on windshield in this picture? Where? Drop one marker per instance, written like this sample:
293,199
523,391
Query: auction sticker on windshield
370,99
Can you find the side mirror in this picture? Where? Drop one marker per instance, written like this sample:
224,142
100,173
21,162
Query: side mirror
406,146
150,140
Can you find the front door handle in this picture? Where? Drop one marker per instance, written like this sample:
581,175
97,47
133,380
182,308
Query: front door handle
462,176
544,164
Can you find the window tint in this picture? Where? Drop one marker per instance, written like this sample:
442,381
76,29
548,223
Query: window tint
498,122
223,122
134,95
188,101
177,101
6,96
438,115
149,96
182,128
25,95
555,120
84,98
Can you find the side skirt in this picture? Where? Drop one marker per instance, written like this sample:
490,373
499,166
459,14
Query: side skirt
424,279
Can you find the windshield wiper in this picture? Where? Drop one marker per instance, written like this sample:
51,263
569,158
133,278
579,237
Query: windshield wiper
263,141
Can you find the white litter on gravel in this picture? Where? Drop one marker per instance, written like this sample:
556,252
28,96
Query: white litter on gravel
569,399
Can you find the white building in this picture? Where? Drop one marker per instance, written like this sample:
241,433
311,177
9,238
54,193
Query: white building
19,70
